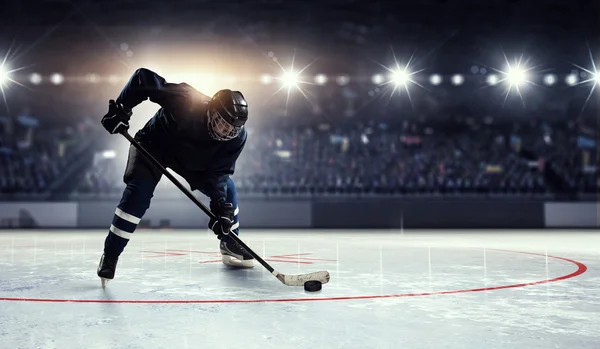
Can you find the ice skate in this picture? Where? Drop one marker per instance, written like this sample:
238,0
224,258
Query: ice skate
106,269
234,255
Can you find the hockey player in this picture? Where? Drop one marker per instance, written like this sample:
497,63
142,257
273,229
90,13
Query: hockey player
198,137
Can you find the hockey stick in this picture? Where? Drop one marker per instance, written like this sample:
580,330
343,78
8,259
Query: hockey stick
288,280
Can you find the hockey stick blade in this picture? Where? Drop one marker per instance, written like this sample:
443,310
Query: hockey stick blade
300,279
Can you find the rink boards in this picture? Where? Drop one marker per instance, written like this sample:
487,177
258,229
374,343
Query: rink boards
329,213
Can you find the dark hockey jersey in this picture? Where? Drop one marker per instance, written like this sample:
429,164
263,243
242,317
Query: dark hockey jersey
180,130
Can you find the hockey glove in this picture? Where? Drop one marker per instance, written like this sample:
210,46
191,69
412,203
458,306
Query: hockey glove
117,118
225,217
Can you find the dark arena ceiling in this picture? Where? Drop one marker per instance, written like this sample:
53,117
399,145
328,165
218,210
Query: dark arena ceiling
327,24
78,36
313,12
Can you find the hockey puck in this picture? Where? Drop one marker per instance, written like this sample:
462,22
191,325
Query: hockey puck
313,286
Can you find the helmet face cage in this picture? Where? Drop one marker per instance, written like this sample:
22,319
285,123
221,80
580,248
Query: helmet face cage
219,129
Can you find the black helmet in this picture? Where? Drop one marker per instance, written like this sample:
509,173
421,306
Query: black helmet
227,114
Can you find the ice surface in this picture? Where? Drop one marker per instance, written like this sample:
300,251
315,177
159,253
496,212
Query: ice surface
393,289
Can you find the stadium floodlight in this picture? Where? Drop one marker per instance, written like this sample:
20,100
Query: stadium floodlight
377,79
290,79
516,76
492,79
6,77
321,79
435,79
458,79
400,77
57,78
571,79
550,79
35,78
592,74
4,73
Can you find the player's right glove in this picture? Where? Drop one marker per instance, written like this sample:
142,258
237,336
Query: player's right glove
117,118
225,217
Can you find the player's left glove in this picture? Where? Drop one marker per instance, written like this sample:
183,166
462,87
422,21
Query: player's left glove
117,118
225,217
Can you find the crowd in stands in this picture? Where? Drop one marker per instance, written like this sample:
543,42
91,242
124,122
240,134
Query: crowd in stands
33,157
468,157
457,158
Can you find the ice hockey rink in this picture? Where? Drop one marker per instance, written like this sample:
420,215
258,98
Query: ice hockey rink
392,289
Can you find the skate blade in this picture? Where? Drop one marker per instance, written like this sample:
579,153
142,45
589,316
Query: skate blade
236,263
104,282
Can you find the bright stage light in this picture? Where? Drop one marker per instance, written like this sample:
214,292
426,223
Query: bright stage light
591,73
571,79
57,79
435,79
400,77
35,78
377,79
458,79
516,76
492,79
550,79
4,73
6,76
290,79
321,79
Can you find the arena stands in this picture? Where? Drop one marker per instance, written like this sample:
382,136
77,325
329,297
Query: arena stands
34,158
465,157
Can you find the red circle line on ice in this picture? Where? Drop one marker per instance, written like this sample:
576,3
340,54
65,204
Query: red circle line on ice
581,268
